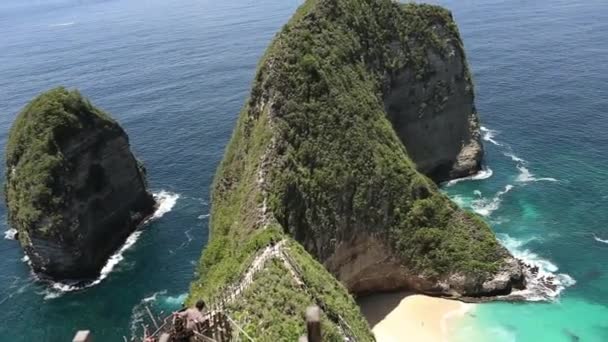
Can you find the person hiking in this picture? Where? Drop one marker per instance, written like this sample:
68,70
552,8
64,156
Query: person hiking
194,316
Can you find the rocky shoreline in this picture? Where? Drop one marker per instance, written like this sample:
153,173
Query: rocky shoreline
537,287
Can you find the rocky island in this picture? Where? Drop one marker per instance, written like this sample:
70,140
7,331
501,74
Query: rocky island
327,187
74,190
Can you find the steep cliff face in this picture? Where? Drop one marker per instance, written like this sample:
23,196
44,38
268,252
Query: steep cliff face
318,156
74,190
434,114
345,84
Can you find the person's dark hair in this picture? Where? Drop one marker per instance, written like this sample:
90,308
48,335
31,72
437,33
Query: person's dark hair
200,304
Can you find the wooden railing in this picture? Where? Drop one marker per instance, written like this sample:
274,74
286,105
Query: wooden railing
216,330
221,328
346,330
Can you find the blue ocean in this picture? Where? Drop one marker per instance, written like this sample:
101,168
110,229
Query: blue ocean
175,75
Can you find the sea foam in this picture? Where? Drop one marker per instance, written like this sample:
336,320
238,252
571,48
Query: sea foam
166,201
158,301
536,287
486,206
526,176
489,135
10,234
461,201
514,157
599,240
484,173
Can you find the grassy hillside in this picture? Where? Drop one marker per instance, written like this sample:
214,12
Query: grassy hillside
272,307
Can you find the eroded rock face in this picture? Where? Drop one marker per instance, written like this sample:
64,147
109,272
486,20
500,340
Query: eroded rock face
434,115
91,191
363,265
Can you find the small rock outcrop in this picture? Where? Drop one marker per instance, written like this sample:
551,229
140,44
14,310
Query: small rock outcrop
74,190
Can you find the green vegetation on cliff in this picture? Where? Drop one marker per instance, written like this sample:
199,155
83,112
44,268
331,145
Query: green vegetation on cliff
273,305
315,158
74,190
34,158
268,309
342,166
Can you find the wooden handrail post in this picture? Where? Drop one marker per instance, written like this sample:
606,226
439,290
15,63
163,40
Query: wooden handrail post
313,323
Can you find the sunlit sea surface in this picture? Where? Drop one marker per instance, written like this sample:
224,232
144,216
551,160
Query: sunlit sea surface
175,74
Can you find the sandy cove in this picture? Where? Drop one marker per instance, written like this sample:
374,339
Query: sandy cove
402,316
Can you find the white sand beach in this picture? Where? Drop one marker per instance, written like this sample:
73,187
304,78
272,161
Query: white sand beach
403,316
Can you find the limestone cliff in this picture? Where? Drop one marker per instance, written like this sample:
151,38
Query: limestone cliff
316,157
341,181
434,112
74,190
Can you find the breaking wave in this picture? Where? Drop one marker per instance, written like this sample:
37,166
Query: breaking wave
10,234
56,289
158,302
514,157
544,283
166,201
175,301
599,240
461,201
484,173
63,24
486,206
489,135
526,176
163,301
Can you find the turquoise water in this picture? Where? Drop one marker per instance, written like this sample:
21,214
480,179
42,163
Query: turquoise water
541,73
175,74
570,319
